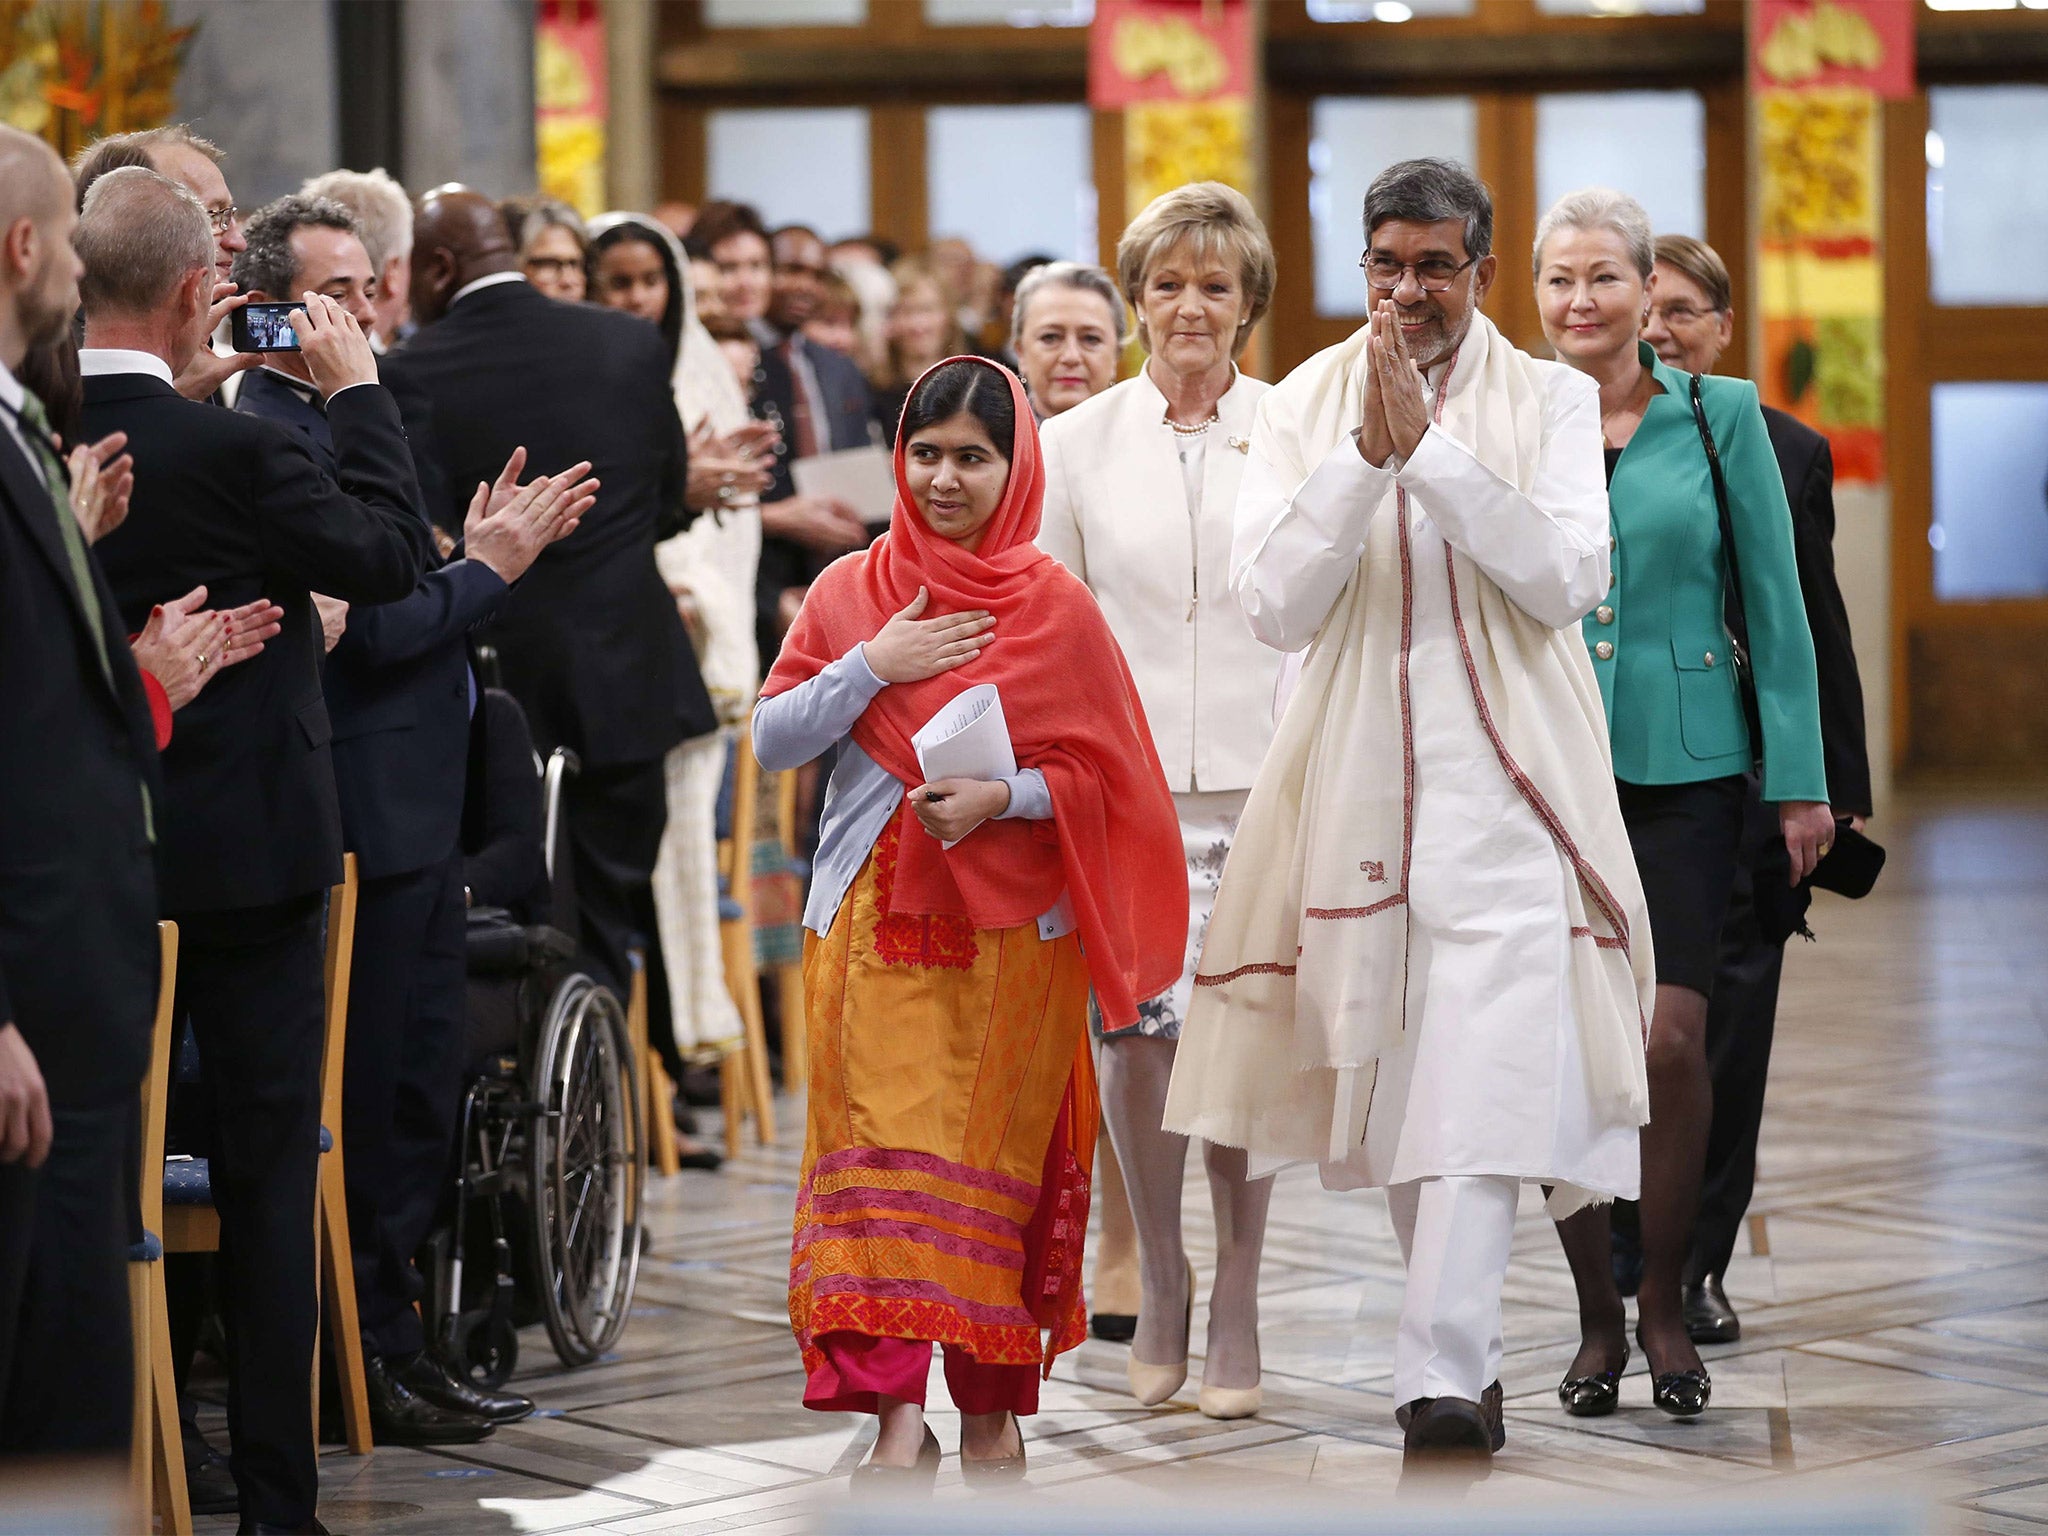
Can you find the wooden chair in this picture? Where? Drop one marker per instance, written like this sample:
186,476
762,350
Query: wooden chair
192,1224
743,1076
333,1252
657,1092
156,1447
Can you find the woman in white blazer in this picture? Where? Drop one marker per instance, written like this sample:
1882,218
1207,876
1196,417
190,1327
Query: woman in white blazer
1141,482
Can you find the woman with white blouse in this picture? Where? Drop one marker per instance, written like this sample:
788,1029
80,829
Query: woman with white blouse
1141,483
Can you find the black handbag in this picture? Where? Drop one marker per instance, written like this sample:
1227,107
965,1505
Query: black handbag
1731,584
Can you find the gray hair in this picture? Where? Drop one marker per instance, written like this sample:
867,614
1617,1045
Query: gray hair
269,265
380,205
1068,274
526,218
1428,191
140,236
1600,208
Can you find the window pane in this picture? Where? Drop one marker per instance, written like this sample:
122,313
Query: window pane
1011,180
796,165
1009,13
1649,144
785,13
1987,201
1351,140
1990,529
1621,7
1385,10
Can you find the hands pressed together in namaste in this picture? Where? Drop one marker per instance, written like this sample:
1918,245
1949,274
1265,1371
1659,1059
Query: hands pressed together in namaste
1396,395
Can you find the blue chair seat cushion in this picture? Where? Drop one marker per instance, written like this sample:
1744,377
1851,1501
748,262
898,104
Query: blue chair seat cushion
189,1182
326,1140
148,1251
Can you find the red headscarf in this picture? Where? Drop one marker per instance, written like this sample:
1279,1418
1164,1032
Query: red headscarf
1114,842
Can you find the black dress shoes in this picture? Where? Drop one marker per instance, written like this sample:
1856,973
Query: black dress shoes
209,1485
1595,1396
1489,1406
401,1416
1447,1430
1115,1327
1708,1317
426,1375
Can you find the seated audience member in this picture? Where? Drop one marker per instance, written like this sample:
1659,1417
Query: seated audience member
590,643
384,213
398,687
80,802
553,245
504,851
194,164
249,826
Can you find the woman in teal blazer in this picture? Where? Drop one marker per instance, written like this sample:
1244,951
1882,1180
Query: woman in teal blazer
1662,652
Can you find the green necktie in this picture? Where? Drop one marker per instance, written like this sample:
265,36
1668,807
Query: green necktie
36,423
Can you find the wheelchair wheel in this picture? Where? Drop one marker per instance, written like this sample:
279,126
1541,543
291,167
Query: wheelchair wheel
584,1171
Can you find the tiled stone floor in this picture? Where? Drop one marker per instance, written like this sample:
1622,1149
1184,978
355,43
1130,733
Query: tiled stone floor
1894,1293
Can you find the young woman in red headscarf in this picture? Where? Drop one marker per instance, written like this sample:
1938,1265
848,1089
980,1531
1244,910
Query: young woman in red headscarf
952,1103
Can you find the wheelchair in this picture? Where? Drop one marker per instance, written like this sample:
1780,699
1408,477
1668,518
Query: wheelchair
543,1223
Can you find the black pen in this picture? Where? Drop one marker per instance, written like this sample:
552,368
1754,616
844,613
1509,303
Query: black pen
932,797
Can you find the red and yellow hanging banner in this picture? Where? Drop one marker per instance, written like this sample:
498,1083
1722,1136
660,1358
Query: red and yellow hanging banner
1819,70
571,90
1181,73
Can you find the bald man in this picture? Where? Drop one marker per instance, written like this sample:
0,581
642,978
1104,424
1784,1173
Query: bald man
78,903
590,642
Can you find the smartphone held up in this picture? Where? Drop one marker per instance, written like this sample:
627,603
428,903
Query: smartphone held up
265,327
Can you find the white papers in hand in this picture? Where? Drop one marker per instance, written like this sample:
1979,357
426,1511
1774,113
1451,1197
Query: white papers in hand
864,478
967,739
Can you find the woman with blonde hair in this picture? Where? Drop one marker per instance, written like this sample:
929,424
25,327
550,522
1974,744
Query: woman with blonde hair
1702,539
922,329
1141,482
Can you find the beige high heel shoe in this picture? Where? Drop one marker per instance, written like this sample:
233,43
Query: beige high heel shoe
1152,1385
1228,1402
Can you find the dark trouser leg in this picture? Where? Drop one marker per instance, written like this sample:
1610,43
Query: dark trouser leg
17,1227
615,816
251,981
74,1363
1741,1018
392,914
429,1097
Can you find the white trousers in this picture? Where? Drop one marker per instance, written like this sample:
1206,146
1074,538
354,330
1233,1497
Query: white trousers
1455,1233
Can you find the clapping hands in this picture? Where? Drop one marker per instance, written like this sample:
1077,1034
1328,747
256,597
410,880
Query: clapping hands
509,524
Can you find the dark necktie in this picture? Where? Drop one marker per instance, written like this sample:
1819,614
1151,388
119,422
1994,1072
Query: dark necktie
806,429
35,424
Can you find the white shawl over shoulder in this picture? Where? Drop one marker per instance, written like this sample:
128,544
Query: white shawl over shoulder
1303,980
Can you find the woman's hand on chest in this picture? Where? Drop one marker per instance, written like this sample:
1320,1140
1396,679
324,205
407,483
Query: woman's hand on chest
909,649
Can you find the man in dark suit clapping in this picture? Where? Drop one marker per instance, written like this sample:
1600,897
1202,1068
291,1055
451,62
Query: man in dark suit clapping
250,828
78,951
590,643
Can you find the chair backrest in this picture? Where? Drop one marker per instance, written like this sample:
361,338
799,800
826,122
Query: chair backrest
156,1086
736,861
341,954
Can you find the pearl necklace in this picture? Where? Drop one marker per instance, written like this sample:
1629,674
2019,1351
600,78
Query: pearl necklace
1198,429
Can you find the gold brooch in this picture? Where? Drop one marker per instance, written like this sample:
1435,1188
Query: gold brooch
1241,444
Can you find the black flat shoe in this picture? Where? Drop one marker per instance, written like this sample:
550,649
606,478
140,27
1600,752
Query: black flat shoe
1708,1317
1595,1396
1446,1430
1682,1394
1114,1327
209,1485
1489,1406
873,1480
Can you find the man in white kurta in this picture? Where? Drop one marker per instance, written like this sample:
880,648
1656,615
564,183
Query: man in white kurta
1429,967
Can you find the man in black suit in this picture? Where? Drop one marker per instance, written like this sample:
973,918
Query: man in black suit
79,791
590,643
250,828
400,693
1691,323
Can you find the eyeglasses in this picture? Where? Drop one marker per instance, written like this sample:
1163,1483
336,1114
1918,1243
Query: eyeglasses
222,218
1434,274
552,266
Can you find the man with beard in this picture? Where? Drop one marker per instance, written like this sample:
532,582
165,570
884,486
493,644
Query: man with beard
79,794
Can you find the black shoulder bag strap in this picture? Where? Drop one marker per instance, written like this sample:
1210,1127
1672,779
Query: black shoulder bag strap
1731,583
